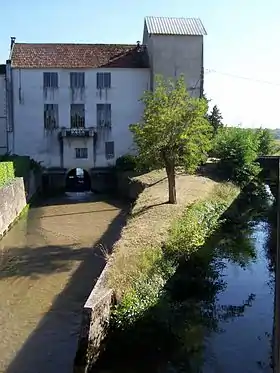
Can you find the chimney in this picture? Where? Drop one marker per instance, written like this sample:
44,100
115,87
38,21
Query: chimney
138,46
13,39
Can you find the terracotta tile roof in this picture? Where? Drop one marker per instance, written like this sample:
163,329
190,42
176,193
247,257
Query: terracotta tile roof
77,56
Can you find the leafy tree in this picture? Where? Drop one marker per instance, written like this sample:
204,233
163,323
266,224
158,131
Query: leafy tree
173,130
266,140
237,149
215,118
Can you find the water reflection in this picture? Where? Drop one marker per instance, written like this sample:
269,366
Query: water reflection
216,313
48,265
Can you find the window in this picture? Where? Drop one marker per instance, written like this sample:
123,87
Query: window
81,153
103,115
77,80
109,149
50,116
77,115
50,80
103,80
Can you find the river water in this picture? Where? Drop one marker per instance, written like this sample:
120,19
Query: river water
216,314
48,264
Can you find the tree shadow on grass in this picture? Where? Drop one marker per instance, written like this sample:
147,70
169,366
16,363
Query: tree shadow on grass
147,208
51,346
170,336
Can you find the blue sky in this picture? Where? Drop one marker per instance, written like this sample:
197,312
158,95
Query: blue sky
243,40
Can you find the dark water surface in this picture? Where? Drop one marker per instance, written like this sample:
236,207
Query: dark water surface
216,313
243,343
48,264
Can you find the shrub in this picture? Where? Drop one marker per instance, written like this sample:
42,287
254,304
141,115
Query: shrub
130,162
266,140
126,162
22,164
6,172
238,150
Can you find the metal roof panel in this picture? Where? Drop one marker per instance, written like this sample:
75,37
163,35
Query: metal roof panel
175,26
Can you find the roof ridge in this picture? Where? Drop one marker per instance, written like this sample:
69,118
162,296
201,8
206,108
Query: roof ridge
88,44
182,17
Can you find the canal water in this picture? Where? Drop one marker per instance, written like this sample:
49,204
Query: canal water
49,262
216,314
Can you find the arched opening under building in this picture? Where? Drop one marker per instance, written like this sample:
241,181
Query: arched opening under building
78,180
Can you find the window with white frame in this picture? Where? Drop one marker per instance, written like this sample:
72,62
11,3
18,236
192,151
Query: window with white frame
77,113
103,112
50,80
50,116
109,149
103,80
81,153
77,80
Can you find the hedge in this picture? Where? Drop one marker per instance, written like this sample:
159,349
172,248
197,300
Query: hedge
7,172
21,164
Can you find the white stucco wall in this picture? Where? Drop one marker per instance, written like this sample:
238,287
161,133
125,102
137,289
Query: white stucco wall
172,55
127,87
3,136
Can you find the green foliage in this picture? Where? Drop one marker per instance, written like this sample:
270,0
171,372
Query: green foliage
22,164
157,265
199,221
215,118
146,289
6,172
174,129
126,162
130,162
238,150
266,142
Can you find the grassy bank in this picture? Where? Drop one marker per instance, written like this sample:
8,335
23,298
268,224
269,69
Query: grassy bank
158,235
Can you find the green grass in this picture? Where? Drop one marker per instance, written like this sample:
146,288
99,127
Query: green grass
142,276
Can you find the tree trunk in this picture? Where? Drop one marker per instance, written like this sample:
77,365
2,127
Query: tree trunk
170,170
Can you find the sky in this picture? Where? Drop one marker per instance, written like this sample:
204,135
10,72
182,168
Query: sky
241,55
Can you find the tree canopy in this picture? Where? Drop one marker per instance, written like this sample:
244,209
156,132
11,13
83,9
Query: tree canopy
215,118
174,130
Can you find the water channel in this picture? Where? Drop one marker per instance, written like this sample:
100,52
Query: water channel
48,264
216,314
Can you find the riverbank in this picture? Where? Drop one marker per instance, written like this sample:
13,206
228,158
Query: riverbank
148,252
198,316
151,220
158,235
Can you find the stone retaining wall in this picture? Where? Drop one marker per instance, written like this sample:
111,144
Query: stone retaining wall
12,202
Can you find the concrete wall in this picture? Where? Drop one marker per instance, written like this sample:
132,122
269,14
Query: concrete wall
3,124
12,202
97,309
95,325
32,184
29,98
172,55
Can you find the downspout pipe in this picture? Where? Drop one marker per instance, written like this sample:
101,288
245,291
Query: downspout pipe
10,97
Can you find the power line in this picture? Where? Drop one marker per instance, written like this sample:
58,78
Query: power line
208,71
